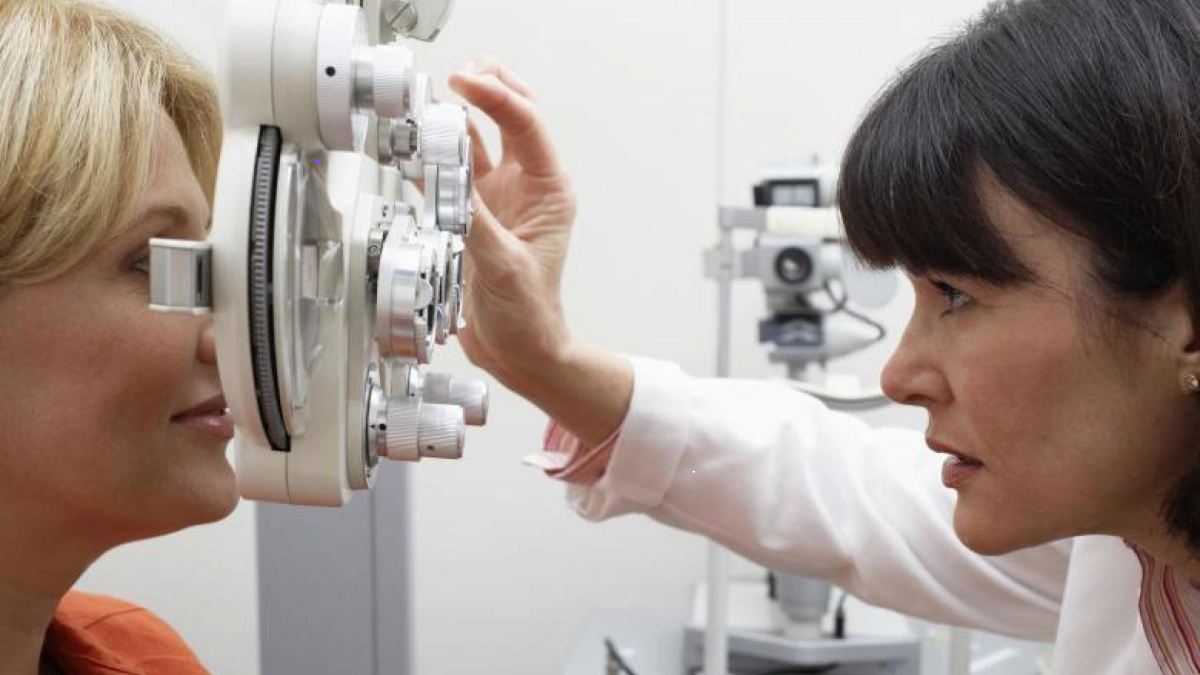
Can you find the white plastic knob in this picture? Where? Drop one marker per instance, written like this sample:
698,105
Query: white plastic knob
393,81
444,135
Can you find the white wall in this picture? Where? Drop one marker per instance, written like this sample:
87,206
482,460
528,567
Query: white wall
505,573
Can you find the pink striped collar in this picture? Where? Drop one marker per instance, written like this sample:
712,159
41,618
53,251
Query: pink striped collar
1169,609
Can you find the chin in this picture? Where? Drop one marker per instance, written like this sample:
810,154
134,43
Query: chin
209,494
216,499
217,506
986,534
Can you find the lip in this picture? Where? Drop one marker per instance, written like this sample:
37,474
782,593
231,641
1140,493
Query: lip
938,446
958,468
213,406
209,417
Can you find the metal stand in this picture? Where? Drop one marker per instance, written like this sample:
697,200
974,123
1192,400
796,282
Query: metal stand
758,652
755,653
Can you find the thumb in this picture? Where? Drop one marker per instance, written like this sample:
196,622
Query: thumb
491,248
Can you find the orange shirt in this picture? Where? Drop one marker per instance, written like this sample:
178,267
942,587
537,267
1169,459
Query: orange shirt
94,634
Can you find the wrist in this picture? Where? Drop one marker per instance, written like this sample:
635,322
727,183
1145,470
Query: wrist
542,376
585,388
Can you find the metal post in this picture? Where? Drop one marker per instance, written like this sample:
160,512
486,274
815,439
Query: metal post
960,651
716,636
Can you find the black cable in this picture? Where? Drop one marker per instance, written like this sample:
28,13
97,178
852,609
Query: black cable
842,305
787,670
615,657
801,670
839,618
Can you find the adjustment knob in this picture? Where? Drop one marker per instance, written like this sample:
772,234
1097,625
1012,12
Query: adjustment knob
418,429
405,324
470,395
454,207
458,289
444,139
399,141
392,81
400,439
441,431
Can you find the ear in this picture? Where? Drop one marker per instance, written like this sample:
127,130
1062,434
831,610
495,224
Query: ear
1177,324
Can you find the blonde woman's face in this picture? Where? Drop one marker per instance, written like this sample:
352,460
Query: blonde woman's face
96,389
1075,430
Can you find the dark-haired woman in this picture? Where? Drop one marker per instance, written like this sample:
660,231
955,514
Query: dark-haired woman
1038,179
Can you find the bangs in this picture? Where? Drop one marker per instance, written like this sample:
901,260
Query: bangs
911,181
1081,110
76,129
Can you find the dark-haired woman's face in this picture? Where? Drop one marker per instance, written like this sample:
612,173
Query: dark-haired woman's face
1069,419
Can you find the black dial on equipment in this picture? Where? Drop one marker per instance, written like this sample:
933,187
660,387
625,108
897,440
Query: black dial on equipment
793,265
261,298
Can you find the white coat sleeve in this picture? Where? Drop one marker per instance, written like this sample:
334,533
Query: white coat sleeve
776,476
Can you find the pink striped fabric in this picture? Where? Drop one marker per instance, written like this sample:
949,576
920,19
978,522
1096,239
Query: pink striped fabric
1169,625
566,458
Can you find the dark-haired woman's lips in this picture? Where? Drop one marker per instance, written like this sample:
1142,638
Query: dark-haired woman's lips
959,467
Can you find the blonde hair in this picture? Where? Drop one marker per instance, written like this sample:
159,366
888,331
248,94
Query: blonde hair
81,90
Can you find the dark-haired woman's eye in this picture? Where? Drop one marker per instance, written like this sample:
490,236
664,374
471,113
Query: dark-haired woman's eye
955,299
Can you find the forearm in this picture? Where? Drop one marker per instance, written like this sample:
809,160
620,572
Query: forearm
586,389
777,477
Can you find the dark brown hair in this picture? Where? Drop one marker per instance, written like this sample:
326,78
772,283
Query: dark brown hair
1088,111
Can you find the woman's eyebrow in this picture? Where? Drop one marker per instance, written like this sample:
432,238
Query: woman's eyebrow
177,216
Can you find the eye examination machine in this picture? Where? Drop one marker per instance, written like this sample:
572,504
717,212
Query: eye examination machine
333,273
330,280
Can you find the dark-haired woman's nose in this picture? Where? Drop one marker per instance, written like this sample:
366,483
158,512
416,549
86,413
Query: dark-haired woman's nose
911,376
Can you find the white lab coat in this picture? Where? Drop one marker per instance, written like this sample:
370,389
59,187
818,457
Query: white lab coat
774,475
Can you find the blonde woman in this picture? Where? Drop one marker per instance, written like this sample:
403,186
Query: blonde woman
113,421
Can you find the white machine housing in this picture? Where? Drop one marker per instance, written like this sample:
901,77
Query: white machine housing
328,288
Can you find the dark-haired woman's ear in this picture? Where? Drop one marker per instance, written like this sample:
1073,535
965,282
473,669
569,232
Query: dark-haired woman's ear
1172,320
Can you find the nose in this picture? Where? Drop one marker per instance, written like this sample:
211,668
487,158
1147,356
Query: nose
206,349
912,376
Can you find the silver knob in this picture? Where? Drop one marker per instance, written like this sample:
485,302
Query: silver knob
448,205
470,395
399,141
442,431
404,321
444,138
401,16
418,429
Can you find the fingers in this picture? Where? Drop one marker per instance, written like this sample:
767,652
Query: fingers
481,161
524,134
485,65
